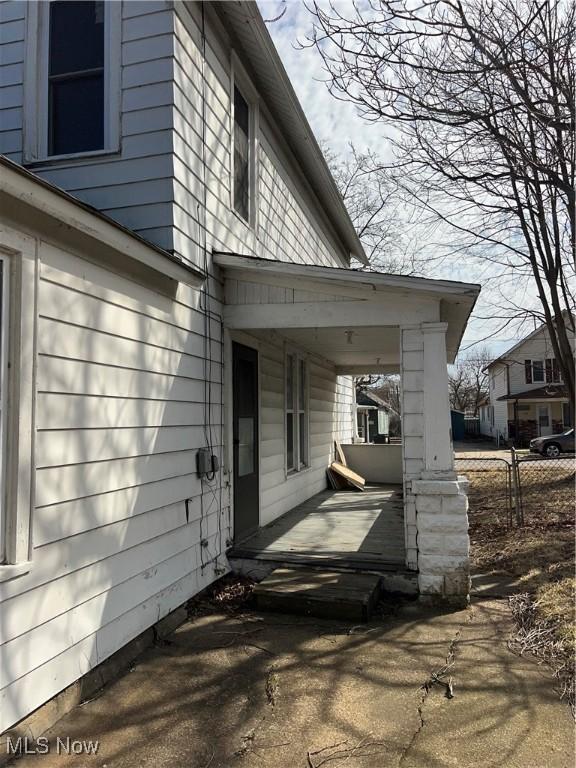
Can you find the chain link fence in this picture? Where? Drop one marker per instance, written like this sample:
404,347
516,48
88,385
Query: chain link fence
508,490
544,488
490,491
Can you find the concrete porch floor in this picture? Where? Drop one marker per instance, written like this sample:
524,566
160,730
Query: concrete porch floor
241,689
349,528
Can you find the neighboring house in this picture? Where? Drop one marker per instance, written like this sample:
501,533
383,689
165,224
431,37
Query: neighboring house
527,397
180,328
373,417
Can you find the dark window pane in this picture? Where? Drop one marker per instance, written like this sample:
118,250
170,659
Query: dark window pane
289,382
241,111
76,119
241,155
246,387
290,441
76,36
537,370
303,440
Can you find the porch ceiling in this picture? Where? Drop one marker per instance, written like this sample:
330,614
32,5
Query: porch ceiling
362,349
349,317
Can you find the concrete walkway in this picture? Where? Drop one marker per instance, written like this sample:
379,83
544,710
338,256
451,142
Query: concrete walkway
275,691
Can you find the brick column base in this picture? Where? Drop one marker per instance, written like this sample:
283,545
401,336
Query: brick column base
443,543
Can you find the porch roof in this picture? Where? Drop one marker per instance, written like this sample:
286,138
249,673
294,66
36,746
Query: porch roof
548,392
347,316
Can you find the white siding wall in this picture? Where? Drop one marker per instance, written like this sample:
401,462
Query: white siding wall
119,418
289,224
498,383
12,30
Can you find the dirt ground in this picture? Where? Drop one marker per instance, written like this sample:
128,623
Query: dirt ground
232,687
533,564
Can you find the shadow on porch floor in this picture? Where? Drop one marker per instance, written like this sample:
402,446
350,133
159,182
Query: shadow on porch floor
349,528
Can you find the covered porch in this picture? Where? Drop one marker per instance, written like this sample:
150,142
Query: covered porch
335,528
355,323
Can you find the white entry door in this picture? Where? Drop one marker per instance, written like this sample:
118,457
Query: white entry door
544,420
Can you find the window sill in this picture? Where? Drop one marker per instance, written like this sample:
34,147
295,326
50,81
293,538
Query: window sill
8,572
297,472
58,159
248,223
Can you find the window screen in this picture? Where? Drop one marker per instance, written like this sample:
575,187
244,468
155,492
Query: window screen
76,77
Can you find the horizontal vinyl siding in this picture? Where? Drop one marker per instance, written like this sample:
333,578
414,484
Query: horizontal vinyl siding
289,224
135,185
12,29
120,416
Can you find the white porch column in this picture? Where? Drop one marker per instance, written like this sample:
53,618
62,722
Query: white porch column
435,502
438,451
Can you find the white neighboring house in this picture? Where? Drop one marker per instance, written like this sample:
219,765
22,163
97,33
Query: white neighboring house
527,397
176,285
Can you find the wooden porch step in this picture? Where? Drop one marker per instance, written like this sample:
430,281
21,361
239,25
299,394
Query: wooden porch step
325,594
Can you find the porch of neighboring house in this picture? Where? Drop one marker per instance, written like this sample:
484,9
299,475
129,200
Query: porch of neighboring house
349,323
537,413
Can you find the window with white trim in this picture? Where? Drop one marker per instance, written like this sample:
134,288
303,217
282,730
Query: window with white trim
72,103
18,264
244,131
534,371
242,141
296,410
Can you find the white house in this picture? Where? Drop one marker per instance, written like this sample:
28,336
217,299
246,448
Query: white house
527,397
179,328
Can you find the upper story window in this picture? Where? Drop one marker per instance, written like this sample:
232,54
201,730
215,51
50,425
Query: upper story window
533,371
75,77
72,82
552,371
241,155
540,371
244,130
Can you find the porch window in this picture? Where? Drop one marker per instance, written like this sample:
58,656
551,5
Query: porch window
566,420
296,413
18,270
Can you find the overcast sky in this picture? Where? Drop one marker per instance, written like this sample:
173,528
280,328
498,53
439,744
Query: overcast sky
337,123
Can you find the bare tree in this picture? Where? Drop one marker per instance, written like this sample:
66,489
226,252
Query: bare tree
482,97
468,381
370,193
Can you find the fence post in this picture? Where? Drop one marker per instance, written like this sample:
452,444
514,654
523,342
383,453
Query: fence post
517,490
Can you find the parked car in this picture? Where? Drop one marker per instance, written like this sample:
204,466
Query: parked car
553,445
